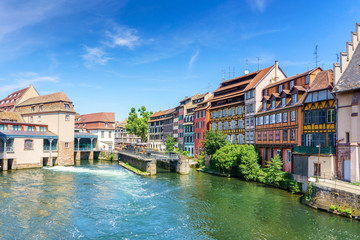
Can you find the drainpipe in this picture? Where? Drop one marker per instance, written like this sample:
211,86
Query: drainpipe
276,70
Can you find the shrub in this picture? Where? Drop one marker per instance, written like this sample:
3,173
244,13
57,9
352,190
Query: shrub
170,143
201,160
249,168
185,153
294,186
332,207
227,158
111,157
214,140
274,173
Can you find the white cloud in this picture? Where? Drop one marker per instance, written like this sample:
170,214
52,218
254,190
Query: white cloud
193,58
124,37
94,56
247,36
24,79
258,5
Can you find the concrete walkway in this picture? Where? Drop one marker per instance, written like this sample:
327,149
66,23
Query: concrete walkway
337,184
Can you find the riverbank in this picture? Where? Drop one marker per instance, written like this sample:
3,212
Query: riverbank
133,169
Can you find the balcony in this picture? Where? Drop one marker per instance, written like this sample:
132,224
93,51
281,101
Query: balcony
47,148
8,149
314,150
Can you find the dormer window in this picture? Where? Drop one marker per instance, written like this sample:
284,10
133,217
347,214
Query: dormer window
307,79
106,124
40,108
67,106
291,84
273,104
294,98
264,106
283,101
280,88
265,92
33,108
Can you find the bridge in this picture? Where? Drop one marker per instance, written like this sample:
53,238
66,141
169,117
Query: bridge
149,161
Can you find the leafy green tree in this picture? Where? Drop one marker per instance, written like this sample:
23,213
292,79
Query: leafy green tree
170,143
138,125
274,173
249,168
227,158
214,140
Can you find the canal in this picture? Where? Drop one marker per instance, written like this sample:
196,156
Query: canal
105,201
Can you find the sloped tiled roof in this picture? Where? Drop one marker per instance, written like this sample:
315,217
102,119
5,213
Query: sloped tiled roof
322,80
258,77
54,97
108,117
350,79
13,116
10,100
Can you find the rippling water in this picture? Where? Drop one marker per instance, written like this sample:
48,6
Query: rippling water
104,201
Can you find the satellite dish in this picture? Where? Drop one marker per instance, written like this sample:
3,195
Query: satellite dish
246,71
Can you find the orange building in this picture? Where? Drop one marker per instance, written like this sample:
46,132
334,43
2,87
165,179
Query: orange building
279,120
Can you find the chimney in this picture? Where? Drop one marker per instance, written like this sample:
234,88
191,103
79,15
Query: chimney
276,71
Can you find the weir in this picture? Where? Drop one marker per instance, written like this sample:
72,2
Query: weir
149,162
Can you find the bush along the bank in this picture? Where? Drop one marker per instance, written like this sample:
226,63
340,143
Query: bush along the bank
242,161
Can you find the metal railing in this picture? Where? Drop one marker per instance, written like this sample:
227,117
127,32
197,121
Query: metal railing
330,180
315,150
151,154
47,148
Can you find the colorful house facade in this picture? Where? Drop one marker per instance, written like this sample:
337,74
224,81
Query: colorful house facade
201,124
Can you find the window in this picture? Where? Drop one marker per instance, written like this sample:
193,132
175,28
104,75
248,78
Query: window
213,126
109,134
240,139
308,98
272,118
285,135
277,135
66,145
278,118
322,95
40,108
265,92
241,124
307,79
28,144
273,102
39,118
309,141
331,115
233,139
291,84
280,88
31,119
347,137
232,124
42,129
246,122
259,136
317,169
226,125
102,134
293,116
33,108
285,117
3,127
289,156
220,126
294,98
251,122
271,135
283,101
67,117
278,152
266,119
16,127
265,136
264,106
31,128
292,134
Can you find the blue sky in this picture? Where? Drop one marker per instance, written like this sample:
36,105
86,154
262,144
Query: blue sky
112,55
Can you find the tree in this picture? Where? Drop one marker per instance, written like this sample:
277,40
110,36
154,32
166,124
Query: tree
170,143
227,158
136,125
249,168
214,140
274,173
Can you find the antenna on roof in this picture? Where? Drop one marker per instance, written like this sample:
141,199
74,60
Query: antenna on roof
229,72
223,74
258,58
246,67
316,55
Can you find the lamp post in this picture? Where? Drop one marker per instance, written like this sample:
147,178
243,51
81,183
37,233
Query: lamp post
318,166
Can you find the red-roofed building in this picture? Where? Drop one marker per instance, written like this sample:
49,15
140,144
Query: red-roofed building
160,123
101,124
9,103
201,125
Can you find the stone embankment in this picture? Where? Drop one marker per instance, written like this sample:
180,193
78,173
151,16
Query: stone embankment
339,200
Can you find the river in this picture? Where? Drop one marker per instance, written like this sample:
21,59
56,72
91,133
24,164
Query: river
105,201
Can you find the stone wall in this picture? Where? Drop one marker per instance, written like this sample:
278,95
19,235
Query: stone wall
333,200
106,155
145,165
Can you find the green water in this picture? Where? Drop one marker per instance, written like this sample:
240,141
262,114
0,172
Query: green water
105,201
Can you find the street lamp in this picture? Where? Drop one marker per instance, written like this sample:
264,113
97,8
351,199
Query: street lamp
318,166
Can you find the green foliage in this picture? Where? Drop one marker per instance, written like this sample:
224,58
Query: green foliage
274,173
170,143
185,153
111,157
294,186
214,140
201,160
348,211
249,168
178,151
227,158
136,125
309,192
332,207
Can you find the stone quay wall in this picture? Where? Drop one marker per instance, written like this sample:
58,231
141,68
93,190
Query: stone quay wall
333,200
145,165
